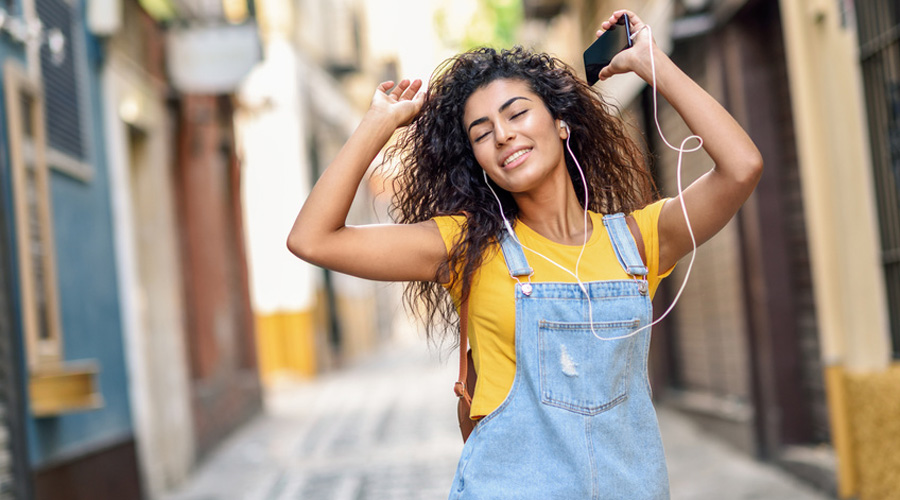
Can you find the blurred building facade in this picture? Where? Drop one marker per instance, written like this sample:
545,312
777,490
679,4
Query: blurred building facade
127,347
786,338
297,108
67,317
224,378
139,147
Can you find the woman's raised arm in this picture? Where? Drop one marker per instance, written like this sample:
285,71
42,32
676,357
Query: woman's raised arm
388,252
714,198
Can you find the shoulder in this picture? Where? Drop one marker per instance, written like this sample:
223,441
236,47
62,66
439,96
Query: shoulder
450,227
647,218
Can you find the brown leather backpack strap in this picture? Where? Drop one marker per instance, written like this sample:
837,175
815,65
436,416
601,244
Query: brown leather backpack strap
464,386
460,387
638,239
464,409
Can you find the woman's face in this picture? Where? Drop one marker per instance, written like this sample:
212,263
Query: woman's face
514,137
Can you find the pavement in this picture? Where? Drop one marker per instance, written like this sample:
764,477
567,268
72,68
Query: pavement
385,428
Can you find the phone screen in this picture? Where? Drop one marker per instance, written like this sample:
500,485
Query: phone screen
604,48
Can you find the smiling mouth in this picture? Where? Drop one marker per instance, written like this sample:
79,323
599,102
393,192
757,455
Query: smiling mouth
515,156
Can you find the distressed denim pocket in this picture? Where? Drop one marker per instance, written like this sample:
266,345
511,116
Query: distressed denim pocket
580,372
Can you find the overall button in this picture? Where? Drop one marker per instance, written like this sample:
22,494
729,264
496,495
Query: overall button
644,287
526,288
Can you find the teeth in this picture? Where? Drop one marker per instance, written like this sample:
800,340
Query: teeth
514,156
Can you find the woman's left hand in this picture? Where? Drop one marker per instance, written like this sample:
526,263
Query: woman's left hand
713,199
636,58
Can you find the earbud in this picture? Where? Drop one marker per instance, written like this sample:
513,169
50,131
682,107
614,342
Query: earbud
562,123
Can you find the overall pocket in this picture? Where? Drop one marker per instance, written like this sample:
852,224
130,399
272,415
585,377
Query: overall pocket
580,372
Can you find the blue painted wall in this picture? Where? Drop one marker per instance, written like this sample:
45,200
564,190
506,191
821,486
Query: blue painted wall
88,295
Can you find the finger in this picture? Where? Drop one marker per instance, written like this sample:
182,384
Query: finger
610,70
398,90
604,74
636,21
613,21
633,19
410,91
616,16
385,86
636,24
419,100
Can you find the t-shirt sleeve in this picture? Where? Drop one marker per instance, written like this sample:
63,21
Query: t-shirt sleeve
450,227
647,220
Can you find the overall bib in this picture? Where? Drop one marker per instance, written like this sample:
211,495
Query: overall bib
578,422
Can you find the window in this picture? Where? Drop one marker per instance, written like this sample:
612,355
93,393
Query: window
879,24
34,231
55,387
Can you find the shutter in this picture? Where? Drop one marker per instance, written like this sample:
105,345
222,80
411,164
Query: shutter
14,473
8,390
7,489
61,82
710,325
879,37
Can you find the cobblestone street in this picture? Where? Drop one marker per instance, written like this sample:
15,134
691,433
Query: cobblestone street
386,429
383,429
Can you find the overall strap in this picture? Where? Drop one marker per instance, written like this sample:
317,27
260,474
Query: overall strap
623,243
514,256
518,267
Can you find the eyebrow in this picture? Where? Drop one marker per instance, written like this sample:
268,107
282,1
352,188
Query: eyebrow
505,105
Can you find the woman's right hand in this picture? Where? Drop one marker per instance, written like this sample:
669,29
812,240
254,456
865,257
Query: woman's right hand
399,105
388,252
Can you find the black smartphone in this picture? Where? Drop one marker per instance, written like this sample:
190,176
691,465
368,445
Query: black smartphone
604,48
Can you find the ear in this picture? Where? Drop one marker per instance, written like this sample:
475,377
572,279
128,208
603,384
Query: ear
563,129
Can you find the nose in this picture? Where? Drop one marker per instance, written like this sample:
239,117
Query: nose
503,134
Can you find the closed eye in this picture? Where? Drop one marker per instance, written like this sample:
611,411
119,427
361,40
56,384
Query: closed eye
513,117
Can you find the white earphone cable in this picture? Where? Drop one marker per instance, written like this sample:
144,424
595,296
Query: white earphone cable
680,150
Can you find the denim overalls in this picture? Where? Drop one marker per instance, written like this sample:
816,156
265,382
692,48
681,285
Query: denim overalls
578,422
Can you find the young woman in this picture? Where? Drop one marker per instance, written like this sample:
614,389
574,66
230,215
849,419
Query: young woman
557,276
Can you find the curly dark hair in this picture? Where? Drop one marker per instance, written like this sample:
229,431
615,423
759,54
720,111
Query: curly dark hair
439,175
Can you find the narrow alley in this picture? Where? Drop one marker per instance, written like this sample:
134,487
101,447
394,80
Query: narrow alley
155,154
385,428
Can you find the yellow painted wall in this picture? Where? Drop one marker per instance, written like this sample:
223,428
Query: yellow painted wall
873,403
841,430
286,344
292,344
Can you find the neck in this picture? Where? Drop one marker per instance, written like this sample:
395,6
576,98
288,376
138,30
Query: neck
554,211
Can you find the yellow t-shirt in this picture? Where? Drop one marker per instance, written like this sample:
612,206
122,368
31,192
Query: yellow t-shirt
492,298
